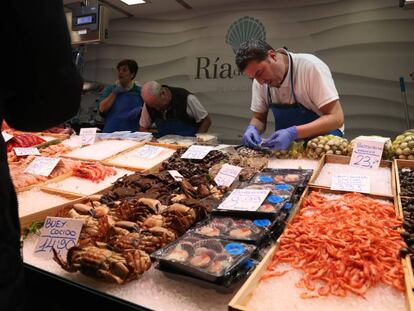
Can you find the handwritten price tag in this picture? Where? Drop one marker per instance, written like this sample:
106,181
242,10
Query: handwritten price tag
176,175
6,136
88,135
227,174
367,151
26,151
244,200
148,151
352,183
42,166
60,234
196,152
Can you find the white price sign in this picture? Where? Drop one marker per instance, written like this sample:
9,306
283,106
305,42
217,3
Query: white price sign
352,183
196,152
244,200
6,136
88,135
60,234
42,166
148,152
227,174
26,151
367,151
176,175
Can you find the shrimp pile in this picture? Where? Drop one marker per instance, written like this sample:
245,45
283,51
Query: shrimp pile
22,179
344,244
93,171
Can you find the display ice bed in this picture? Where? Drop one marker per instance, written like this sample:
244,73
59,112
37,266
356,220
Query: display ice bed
101,150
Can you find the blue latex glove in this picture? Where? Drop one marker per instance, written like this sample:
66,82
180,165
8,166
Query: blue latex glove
251,137
281,139
118,90
134,113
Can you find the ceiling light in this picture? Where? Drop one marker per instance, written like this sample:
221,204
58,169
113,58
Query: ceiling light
132,2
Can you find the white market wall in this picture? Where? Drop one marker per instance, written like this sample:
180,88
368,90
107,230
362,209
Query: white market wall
368,44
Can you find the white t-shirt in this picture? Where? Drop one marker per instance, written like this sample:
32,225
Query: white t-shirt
313,84
195,110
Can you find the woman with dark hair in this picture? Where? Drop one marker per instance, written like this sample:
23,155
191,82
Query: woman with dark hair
121,103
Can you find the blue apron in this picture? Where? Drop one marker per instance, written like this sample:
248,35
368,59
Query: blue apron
175,127
287,115
118,117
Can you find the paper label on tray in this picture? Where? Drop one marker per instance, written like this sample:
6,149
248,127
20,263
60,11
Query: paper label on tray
26,151
88,135
196,152
42,166
244,200
148,152
352,183
176,175
6,136
227,174
58,233
367,151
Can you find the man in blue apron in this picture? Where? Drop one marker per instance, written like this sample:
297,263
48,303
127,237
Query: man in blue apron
299,90
121,103
174,111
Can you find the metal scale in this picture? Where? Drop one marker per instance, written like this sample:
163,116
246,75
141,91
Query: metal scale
87,24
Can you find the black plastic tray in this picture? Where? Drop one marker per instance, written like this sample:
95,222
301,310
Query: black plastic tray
226,228
236,252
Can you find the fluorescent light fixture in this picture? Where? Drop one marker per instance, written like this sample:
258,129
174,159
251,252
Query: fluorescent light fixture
133,2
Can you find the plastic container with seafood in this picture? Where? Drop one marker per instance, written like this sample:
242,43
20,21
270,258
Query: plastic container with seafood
213,260
283,176
236,229
285,191
270,208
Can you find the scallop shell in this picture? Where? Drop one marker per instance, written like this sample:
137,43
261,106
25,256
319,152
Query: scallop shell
220,264
242,232
199,259
178,254
210,244
209,230
187,247
223,221
244,29
292,177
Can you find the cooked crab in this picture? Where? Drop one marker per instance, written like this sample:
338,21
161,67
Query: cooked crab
105,264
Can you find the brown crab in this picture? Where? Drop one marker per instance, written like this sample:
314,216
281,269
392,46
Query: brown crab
179,217
105,264
155,238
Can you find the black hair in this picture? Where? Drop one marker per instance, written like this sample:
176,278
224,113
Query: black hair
131,64
249,50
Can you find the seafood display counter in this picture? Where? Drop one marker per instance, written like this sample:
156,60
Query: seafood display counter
153,242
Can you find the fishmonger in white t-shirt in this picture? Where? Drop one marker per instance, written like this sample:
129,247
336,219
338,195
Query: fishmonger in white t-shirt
297,88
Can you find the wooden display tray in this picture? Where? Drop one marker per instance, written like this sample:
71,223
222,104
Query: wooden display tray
409,282
398,163
337,159
138,144
41,215
153,169
68,193
242,297
169,146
